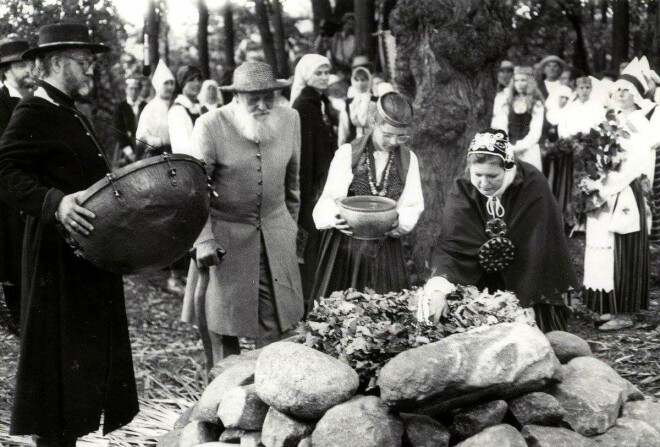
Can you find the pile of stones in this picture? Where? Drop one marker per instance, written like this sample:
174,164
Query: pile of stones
502,385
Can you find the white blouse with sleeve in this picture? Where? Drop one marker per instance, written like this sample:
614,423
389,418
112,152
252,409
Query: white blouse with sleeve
409,206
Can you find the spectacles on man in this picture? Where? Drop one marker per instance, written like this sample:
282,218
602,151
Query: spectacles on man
85,64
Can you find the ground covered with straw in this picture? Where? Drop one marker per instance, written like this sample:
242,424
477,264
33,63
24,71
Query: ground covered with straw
168,358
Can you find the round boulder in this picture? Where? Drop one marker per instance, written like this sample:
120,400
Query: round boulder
364,421
302,381
568,346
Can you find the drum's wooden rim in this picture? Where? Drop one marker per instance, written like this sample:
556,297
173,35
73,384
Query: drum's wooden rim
133,167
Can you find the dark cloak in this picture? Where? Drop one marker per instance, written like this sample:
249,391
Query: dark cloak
541,270
75,356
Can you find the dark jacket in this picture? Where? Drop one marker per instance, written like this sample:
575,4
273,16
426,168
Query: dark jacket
126,123
75,357
317,147
11,222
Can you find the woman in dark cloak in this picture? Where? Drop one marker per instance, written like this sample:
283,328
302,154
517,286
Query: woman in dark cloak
502,230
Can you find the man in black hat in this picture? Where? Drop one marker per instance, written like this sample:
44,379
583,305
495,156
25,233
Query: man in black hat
75,359
17,81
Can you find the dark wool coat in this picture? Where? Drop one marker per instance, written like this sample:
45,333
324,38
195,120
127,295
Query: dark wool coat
318,144
541,268
125,123
75,358
11,222
317,148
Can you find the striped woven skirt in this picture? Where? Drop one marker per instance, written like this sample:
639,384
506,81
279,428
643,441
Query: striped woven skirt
631,270
346,262
655,205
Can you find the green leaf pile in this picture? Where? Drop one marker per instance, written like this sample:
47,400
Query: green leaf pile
365,330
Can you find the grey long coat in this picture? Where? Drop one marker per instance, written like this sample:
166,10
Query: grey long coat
259,195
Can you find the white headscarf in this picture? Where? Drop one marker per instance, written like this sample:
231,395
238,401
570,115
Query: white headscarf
307,65
202,98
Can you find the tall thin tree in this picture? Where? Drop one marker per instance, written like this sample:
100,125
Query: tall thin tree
365,13
203,38
620,32
152,28
228,15
263,24
280,41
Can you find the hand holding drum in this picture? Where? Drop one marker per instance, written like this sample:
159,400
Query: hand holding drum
74,217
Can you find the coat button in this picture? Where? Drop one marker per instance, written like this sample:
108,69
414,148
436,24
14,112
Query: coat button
260,182
258,155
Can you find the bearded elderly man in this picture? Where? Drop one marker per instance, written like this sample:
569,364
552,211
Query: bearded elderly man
75,358
252,150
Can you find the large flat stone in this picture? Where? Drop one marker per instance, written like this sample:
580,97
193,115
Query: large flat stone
364,421
239,374
423,431
470,421
486,360
643,410
280,430
302,381
591,394
540,436
629,433
536,409
198,432
241,407
502,435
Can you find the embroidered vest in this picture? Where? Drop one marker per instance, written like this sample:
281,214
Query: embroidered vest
361,149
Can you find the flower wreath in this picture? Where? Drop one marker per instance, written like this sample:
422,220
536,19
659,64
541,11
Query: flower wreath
496,253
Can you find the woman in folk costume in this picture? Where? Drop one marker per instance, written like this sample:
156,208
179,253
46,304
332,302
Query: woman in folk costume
559,167
522,117
616,261
502,230
377,164
355,119
209,96
185,109
152,127
318,145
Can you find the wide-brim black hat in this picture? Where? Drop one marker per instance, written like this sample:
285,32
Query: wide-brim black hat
11,50
254,77
63,36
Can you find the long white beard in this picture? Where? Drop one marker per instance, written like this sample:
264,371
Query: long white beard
260,129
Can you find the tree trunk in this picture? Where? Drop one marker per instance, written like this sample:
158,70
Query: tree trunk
280,41
321,10
580,57
266,36
152,28
620,32
365,11
604,8
447,52
228,14
342,7
655,44
203,38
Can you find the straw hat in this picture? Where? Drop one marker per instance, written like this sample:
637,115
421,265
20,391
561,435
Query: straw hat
552,58
254,77
64,36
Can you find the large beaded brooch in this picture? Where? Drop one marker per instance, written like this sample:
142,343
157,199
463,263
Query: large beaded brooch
497,253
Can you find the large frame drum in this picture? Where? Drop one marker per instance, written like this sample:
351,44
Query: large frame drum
148,214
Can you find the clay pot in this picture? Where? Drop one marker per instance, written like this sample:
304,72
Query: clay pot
369,217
